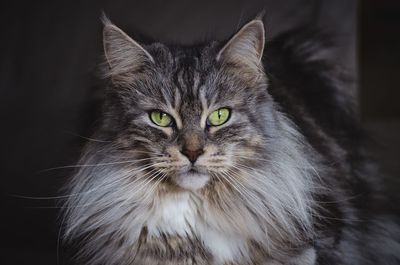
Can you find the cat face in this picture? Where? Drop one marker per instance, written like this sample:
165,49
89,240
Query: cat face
193,116
191,142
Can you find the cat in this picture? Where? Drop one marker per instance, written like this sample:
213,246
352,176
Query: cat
227,153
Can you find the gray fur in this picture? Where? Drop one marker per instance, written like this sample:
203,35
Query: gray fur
253,197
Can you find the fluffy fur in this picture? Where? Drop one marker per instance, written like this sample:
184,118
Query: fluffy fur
283,181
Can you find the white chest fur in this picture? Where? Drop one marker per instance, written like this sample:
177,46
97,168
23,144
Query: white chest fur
181,214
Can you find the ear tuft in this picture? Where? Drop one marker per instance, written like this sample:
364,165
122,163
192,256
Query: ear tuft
123,54
246,46
105,19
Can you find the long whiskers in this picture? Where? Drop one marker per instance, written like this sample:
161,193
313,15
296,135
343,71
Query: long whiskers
312,203
97,164
137,170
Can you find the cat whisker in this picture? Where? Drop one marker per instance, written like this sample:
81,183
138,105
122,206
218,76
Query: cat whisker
127,200
87,138
271,161
151,190
283,165
95,165
97,189
319,187
145,183
138,170
132,192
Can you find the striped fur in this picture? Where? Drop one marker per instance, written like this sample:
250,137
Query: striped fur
255,196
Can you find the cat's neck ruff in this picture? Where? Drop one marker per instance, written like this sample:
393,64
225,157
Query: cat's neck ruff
184,214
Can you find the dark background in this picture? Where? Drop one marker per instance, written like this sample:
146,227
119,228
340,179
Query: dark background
48,87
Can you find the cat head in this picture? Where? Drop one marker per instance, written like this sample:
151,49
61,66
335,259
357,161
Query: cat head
194,114
194,121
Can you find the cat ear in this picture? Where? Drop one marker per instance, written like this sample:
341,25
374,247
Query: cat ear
123,54
246,46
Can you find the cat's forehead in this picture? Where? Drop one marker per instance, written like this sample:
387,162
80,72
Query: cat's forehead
185,64
188,74
193,55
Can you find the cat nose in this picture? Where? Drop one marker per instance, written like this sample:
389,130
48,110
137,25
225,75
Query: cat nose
192,144
191,154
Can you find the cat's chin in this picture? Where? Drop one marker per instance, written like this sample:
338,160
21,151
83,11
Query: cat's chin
191,180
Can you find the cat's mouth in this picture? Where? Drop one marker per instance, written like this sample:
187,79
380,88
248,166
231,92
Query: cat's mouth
193,170
192,178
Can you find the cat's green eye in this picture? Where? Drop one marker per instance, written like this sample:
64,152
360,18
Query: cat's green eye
161,118
218,117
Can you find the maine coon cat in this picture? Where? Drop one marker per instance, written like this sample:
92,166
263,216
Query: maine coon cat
224,153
